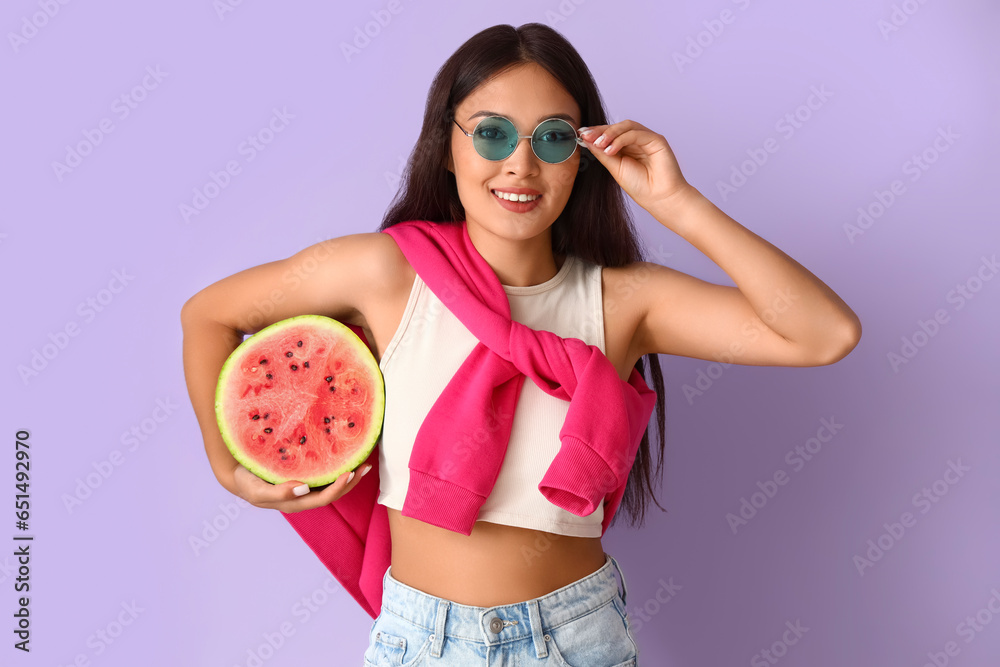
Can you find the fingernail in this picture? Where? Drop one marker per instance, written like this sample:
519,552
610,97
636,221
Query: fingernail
301,489
367,468
350,477
608,149
584,130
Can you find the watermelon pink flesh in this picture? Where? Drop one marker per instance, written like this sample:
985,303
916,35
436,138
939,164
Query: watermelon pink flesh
302,399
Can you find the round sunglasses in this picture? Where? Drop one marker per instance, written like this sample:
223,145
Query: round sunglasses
495,138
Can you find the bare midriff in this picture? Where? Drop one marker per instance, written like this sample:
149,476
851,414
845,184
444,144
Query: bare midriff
495,565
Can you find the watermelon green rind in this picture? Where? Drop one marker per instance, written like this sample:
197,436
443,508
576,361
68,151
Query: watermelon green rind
363,354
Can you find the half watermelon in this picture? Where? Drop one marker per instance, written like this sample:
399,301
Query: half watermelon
301,399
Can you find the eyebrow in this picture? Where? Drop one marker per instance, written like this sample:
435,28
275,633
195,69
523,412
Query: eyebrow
564,116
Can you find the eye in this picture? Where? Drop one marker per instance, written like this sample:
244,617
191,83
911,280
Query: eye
492,134
555,136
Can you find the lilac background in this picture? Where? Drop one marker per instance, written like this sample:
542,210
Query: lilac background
332,172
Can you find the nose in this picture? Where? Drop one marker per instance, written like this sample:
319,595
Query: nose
523,160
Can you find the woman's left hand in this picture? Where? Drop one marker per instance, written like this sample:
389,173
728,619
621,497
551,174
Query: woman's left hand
639,159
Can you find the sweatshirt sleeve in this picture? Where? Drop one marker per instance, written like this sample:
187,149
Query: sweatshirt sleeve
350,536
460,446
596,455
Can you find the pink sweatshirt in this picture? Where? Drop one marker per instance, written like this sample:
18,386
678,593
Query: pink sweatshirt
604,425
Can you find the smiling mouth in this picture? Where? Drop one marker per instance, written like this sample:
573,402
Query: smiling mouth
512,197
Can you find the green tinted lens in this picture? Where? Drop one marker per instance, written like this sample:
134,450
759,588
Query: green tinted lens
554,141
494,138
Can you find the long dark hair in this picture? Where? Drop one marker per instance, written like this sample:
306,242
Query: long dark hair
595,225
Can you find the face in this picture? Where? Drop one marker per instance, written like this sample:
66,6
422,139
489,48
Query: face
525,95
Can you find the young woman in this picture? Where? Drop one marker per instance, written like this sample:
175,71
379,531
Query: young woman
514,114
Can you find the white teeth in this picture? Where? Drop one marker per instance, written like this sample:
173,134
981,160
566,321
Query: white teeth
511,197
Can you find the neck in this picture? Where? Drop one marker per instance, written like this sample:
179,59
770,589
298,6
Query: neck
517,262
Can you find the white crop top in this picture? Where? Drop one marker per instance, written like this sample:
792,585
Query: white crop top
429,347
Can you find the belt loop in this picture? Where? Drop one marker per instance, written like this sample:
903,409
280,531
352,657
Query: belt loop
442,614
621,576
535,618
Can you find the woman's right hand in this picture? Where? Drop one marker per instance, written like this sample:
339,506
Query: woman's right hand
282,497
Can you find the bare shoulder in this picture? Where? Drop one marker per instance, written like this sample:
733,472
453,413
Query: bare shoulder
375,257
389,279
389,270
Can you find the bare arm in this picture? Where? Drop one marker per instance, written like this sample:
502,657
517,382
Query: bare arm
778,314
335,278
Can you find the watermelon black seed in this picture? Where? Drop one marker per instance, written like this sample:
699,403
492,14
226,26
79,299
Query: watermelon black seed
282,450
294,367
350,424
255,417
329,378
305,365
326,420
299,343
268,376
288,354
327,430
268,429
303,440
283,457
266,415
263,361
332,388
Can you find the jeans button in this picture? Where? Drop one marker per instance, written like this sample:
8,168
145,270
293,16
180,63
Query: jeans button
496,625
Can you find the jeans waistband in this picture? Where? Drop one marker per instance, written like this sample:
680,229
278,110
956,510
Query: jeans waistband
502,623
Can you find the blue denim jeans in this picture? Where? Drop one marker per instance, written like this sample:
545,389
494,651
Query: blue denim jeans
582,624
